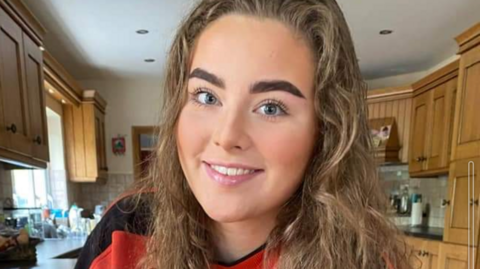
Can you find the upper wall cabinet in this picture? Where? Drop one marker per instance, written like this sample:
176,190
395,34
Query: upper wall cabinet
466,131
85,139
23,129
432,119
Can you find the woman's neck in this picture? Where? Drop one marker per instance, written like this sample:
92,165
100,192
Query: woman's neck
235,240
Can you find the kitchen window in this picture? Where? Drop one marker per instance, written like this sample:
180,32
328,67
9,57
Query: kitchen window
45,187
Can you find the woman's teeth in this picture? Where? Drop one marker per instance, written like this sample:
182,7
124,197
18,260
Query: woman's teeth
231,171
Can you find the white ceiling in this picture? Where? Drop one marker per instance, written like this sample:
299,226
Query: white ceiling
96,39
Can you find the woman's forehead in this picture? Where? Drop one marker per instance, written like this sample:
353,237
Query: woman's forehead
241,49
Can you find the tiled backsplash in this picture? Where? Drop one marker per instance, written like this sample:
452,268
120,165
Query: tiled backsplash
91,194
433,190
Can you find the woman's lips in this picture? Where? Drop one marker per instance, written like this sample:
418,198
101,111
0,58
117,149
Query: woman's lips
228,180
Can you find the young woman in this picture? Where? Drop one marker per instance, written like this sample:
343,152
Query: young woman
264,154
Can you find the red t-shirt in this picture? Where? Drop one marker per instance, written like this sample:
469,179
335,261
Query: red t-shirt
112,246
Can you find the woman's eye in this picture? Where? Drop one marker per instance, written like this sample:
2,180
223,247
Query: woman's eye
206,98
271,109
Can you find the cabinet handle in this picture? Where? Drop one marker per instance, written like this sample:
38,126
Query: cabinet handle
425,253
37,140
423,158
419,253
473,202
12,128
418,159
445,202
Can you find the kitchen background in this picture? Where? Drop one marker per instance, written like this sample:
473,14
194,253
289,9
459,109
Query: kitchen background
103,61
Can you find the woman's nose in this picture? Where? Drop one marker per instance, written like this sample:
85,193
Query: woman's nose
230,131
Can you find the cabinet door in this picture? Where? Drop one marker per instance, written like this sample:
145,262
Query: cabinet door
431,254
14,129
438,132
36,98
460,209
453,257
414,248
466,132
419,131
100,141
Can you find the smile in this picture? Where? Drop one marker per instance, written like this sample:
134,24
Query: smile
231,171
229,176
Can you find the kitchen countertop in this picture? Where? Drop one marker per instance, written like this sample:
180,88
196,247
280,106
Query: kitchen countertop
433,233
46,253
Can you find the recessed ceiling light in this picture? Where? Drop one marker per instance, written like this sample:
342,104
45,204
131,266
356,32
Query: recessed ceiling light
41,48
386,32
63,101
50,91
142,32
149,60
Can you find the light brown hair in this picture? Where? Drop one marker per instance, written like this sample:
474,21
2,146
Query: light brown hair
336,218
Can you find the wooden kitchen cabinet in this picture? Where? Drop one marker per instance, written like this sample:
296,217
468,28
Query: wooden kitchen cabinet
85,139
466,131
454,257
425,253
458,204
432,118
419,131
36,98
15,127
23,127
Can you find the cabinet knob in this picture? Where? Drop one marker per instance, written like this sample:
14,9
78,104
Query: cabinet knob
418,159
445,202
37,140
473,202
12,128
425,253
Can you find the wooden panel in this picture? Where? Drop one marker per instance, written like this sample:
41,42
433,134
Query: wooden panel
100,141
36,98
466,133
407,125
90,137
456,213
431,254
396,103
15,108
419,131
453,257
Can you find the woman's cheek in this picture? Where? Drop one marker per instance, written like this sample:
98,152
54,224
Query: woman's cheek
285,145
193,131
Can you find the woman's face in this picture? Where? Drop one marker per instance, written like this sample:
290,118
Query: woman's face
246,133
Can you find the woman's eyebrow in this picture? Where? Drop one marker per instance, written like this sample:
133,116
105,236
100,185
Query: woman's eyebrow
257,87
209,77
276,85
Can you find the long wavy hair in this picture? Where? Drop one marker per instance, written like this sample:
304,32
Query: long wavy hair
336,219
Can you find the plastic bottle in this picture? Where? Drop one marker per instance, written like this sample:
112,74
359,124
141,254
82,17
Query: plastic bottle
73,217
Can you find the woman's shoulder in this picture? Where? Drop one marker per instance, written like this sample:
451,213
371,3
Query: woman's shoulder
124,224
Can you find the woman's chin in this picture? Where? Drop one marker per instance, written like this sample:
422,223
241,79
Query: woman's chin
226,215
